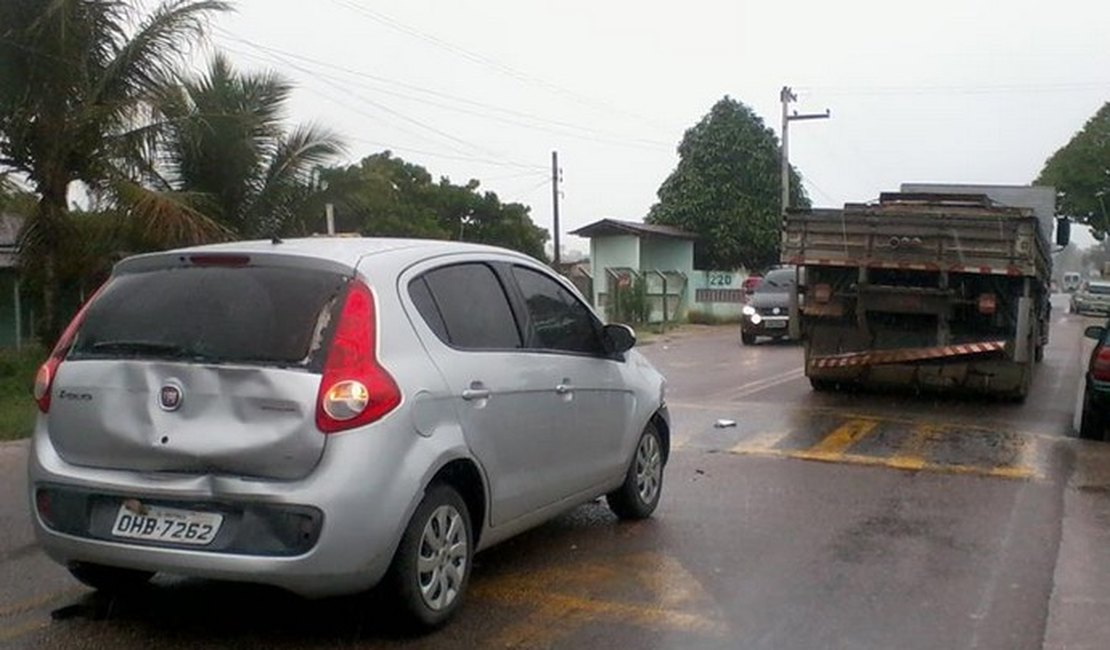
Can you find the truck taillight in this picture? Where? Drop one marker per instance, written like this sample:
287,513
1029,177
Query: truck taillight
355,389
1100,366
988,303
44,378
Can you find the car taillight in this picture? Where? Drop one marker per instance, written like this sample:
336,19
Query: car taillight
44,378
1100,366
355,389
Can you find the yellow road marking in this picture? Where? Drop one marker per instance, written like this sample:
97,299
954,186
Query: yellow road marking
911,455
667,598
11,633
840,440
993,427
1010,472
759,442
38,601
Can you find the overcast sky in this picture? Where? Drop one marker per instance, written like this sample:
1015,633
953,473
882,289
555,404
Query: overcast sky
970,91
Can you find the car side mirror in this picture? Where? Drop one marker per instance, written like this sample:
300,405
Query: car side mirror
1063,232
1095,332
618,337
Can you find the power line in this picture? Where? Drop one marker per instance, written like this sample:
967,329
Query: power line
557,127
284,60
978,89
485,61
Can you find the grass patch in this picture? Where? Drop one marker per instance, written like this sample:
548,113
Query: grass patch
17,374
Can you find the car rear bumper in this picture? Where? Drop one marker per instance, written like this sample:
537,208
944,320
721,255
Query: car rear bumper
363,507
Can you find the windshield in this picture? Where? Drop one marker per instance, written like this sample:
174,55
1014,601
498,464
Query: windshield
777,281
1100,289
259,315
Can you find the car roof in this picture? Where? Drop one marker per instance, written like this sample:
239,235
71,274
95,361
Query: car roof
341,250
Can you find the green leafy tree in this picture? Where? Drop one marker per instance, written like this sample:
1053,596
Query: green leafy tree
77,83
727,188
227,150
1080,171
386,196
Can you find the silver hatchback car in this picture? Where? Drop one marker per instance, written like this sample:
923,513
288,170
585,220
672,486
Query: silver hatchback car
326,414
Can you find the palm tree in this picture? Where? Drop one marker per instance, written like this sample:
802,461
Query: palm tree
77,80
226,146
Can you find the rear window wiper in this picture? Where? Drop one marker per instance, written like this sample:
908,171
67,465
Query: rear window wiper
151,348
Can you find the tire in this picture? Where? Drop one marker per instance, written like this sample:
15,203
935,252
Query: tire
747,339
110,579
638,496
822,385
427,599
1092,425
1038,354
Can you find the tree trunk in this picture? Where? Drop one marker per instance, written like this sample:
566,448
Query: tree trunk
52,215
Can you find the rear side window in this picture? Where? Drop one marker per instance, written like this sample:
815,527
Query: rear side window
255,314
559,320
466,306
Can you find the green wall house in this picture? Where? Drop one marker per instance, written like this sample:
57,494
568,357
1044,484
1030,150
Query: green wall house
640,271
15,320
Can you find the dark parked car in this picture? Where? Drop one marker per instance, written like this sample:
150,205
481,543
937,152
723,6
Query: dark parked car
768,310
1092,298
1096,387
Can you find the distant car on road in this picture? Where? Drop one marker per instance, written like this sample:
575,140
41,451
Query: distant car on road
1096,386
326,414
1092,298
1071,281
767,312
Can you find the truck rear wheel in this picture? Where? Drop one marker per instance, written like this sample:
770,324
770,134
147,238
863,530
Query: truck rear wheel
822,385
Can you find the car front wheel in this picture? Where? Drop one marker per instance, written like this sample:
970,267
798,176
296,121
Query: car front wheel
638,496
431,569
747,339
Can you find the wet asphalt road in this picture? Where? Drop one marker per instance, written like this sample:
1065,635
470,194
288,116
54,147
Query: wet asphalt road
817,521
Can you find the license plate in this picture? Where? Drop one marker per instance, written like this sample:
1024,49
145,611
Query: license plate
776,324
158,524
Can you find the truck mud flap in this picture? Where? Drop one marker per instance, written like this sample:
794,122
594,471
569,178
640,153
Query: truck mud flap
905,355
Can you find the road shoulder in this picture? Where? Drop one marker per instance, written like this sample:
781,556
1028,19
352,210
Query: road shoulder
1077,614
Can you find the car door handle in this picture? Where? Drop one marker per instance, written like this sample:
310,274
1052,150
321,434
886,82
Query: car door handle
475,393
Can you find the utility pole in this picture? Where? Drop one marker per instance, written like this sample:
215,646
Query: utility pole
786,96
555,201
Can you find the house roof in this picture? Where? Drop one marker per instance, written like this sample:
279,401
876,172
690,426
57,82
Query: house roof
611,227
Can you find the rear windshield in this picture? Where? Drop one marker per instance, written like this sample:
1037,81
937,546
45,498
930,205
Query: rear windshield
255,315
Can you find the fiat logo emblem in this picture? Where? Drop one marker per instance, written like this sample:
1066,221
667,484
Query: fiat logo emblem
170,397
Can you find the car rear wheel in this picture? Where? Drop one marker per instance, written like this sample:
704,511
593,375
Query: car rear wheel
638,496
109,578
1092,425
431,569
747,339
